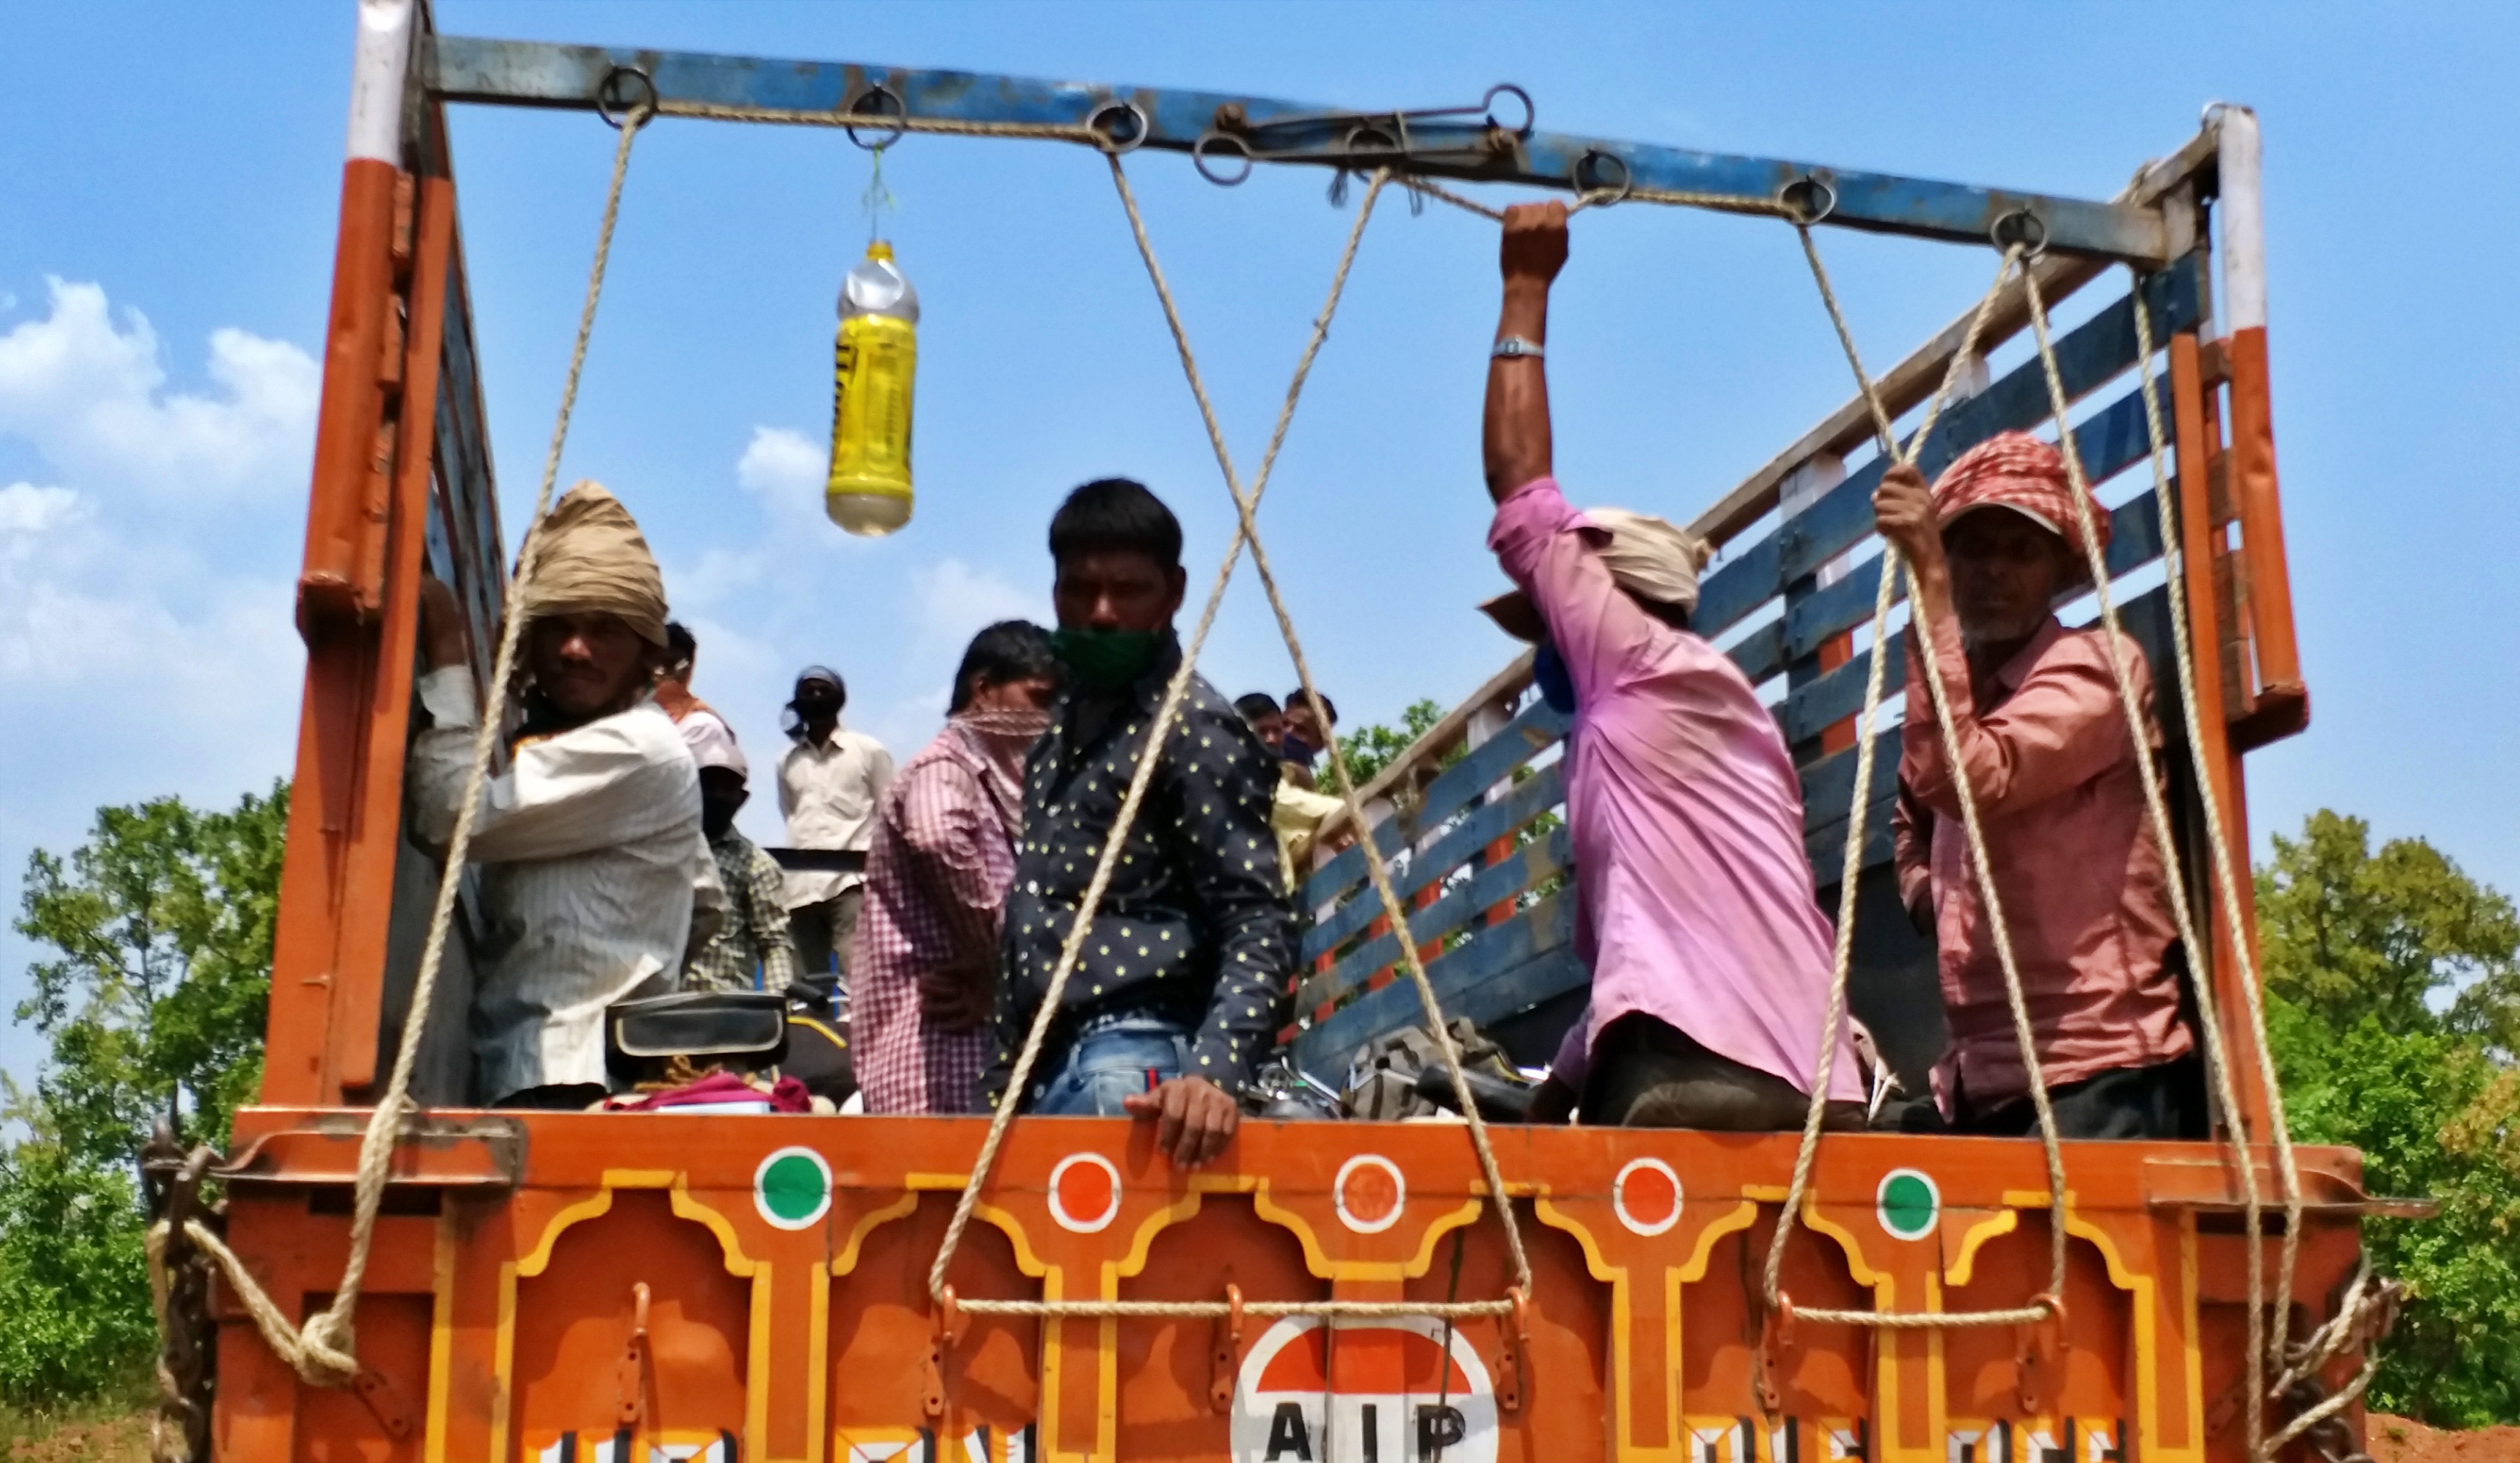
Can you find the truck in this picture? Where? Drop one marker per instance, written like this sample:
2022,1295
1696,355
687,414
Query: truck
535,1287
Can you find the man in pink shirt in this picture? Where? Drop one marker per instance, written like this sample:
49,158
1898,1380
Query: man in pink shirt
2042,737
1710,958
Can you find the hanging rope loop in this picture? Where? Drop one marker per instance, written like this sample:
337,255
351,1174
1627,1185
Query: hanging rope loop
1245,532
2225,875
1980,865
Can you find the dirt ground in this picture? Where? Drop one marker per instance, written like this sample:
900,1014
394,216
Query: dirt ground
2394,1439
121,1440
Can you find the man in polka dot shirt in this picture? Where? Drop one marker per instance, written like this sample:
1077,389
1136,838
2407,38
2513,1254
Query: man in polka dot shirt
1179,987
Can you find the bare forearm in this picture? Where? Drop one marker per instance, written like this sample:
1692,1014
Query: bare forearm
1516,437
1929,589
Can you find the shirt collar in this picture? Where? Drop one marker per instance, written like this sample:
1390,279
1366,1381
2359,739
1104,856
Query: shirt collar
2016,670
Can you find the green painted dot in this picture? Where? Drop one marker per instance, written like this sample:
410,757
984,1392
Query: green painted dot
792,1187
1907,1204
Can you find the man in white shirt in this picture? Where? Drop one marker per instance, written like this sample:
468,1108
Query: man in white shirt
595,878
830,783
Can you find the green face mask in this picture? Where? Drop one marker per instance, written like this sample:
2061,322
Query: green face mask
1106,659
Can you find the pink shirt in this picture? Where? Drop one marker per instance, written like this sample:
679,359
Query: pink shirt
2075,867
1694,901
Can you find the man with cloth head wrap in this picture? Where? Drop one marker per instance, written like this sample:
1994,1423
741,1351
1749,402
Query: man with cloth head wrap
595,878
2038,724
1695,910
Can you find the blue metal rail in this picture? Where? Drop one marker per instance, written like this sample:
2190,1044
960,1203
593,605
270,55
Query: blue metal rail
1492,142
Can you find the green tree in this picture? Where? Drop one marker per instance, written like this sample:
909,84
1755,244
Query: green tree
153,1005
1374,746
152,1001
2390,1014
2350,934
73,1278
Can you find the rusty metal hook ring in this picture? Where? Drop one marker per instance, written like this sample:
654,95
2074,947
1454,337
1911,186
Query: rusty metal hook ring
1213,138
1601,194
619,108
1530,113
872,104
1122,125
1372,140
2020,228
1809,198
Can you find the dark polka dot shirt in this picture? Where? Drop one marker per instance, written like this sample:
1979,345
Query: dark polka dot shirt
1195,927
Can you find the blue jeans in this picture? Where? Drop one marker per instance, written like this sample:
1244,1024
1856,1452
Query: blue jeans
1110,1058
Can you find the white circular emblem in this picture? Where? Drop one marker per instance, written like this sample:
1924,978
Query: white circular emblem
792,1188
1369,1222
1059,1203
1908,1203
1364,1392
1649,1202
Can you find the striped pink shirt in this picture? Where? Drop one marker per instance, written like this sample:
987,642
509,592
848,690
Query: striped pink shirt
2084,896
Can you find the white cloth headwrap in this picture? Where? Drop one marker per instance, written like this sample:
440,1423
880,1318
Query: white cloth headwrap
1650,557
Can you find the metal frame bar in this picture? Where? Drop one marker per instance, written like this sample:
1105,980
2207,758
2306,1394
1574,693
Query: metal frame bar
1455,143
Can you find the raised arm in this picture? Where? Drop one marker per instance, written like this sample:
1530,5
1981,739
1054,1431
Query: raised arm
1515,435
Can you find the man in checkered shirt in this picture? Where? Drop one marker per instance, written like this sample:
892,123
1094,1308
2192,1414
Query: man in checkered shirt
925,972
752,950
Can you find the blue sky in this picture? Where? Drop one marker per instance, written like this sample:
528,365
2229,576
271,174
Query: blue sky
171,179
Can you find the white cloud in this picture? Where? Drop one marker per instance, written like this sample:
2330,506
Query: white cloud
782,465
783,470
145,648
956,601
91,396
28,514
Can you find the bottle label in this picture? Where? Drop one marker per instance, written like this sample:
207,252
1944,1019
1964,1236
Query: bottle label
874,365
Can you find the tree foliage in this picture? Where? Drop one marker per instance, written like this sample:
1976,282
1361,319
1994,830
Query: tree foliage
1373,748
2349,934
151,1001
73,1278
152,1005
2391,1014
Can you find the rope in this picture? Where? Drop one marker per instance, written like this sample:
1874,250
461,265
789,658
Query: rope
1195,1310
323,1353
2224,870
799,116
1921,636
1245,529
2365,1311
310,1358
1602,198
1091,136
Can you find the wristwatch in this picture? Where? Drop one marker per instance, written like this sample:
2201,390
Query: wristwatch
1515,345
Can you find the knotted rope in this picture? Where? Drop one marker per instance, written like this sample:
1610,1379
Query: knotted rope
1245,531
1921,636
324,1350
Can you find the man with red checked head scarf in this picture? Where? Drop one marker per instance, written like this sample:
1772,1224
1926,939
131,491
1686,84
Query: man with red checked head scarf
2040,732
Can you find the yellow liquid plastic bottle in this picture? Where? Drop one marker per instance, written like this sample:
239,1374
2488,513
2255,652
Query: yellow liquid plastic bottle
877,357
